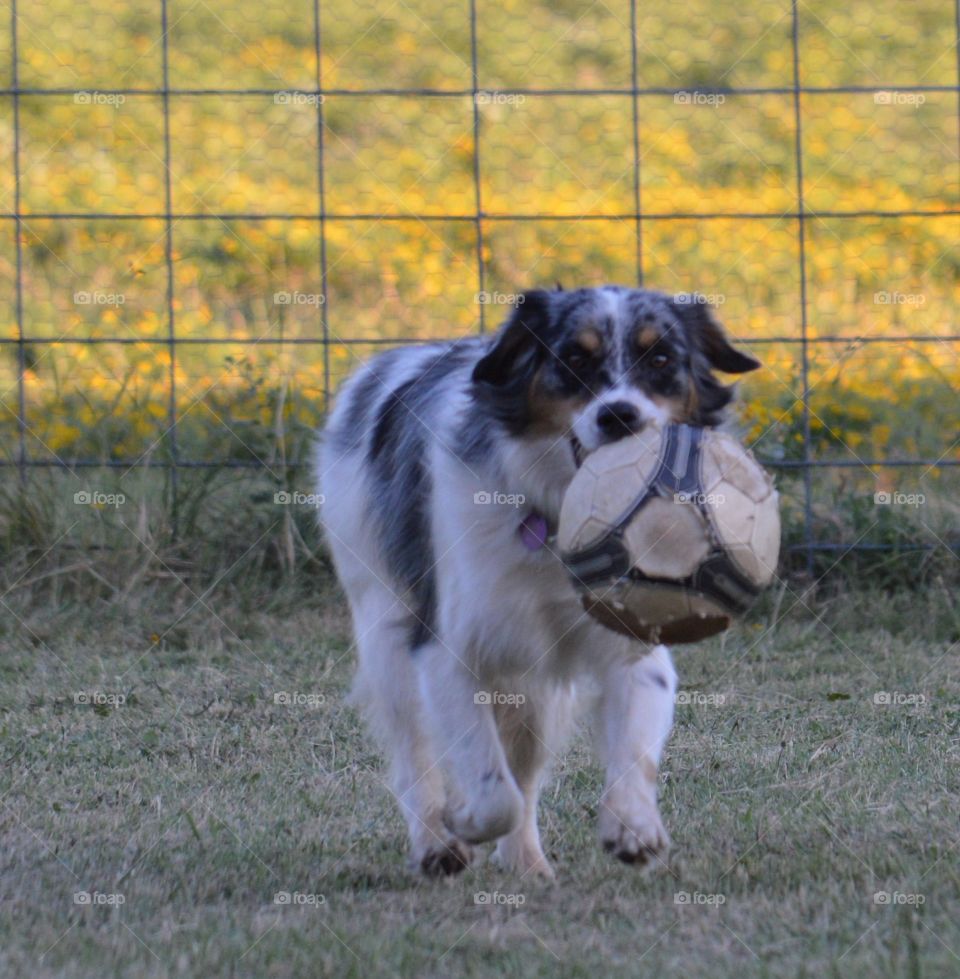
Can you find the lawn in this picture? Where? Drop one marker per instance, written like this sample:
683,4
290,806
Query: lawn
185,788
184,753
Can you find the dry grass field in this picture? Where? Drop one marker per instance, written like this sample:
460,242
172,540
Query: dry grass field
180,749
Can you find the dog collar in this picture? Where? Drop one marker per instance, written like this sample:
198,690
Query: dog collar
534,531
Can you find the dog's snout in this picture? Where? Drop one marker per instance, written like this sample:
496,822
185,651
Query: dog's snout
618,419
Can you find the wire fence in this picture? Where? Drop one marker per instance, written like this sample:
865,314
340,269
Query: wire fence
482,217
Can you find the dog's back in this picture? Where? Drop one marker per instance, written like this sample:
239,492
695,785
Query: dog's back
374,472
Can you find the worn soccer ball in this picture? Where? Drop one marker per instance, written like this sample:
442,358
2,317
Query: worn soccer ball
671,533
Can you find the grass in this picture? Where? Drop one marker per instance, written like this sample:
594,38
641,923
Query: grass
796,799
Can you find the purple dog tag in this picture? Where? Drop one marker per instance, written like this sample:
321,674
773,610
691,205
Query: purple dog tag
533,531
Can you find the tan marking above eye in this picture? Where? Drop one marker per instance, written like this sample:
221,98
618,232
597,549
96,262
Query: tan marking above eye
590,340
648,336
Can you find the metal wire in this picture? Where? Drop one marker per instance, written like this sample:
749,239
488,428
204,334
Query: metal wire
478,218
635,106
478,199
21,345
168,259
804,327
322,200
413,216
467,92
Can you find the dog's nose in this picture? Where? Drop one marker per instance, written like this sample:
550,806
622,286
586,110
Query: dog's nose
618,419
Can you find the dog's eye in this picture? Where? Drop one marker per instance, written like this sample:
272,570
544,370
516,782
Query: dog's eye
576,360
660,361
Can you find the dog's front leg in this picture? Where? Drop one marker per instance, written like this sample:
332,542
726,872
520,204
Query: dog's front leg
461,721
635,715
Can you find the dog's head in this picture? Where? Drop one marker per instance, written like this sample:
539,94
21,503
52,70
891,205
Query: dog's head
599,364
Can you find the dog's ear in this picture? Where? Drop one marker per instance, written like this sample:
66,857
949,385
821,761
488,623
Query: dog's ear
705,334
520,344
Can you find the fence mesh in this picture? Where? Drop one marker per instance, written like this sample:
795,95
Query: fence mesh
212,213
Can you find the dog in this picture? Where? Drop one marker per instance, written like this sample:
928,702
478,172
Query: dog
442,469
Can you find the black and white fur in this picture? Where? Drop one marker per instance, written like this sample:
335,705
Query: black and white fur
473,649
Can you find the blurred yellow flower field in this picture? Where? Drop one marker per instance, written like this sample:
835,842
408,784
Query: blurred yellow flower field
558,186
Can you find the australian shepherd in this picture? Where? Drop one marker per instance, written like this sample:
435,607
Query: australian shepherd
443,467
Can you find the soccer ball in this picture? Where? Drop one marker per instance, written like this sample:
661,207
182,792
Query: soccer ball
670,533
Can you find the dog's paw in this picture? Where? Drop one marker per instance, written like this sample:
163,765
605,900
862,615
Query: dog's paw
523,858
445,859
634,834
